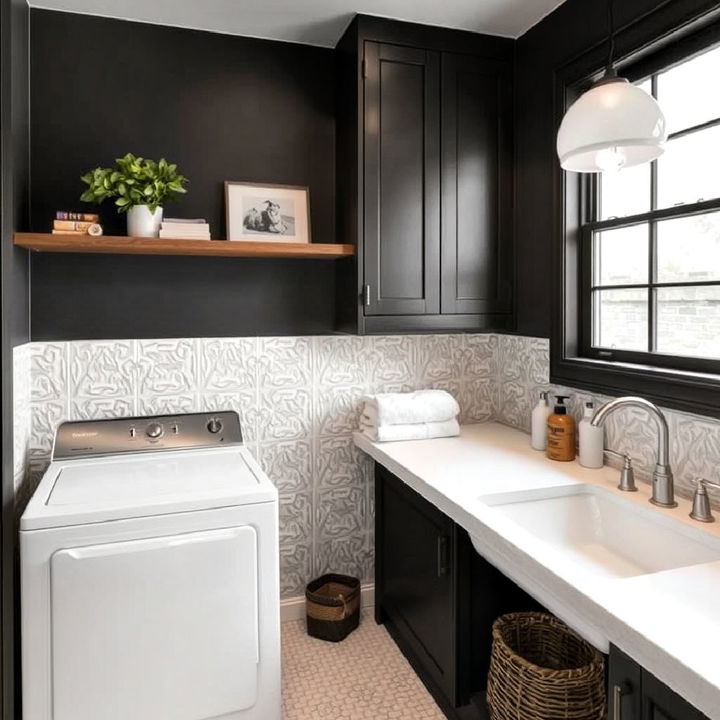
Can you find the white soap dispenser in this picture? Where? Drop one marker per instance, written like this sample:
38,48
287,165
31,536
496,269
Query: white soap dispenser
592,440
540,414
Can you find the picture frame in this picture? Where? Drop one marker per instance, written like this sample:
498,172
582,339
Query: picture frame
262,212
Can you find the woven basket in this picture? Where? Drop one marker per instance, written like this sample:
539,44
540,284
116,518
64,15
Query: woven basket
333,607
541,670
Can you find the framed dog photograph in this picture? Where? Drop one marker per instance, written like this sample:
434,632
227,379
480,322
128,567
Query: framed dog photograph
267,213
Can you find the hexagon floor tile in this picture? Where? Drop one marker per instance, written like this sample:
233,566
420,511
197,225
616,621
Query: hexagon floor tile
364,677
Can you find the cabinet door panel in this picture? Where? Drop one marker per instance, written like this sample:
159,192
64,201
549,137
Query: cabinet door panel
417,577
624,687
636,694
661,703
477,185
402,197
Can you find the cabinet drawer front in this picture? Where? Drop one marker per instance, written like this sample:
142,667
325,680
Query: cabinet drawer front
402,171
477,185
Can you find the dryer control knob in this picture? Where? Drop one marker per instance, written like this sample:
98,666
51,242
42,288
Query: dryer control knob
154,430
214,426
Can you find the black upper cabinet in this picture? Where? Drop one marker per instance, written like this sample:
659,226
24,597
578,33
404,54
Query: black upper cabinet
477,185
425,181
402,180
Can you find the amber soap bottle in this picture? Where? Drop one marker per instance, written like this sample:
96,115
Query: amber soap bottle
561,432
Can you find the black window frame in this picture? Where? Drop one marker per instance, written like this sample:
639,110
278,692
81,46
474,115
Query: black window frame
654,42
589,189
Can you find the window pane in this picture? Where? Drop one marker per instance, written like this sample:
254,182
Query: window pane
688,249
625,192
689,321
646,85
686,94
621,256
621,319
688,169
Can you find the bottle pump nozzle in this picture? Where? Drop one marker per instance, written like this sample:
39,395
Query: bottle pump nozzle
560,408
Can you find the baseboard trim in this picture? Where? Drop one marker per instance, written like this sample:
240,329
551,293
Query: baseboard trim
293,608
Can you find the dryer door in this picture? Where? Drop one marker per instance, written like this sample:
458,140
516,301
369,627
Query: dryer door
158,628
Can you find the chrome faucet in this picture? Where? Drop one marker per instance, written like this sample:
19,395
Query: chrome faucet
663,492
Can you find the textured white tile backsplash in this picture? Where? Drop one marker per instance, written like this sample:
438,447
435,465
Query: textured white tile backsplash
298,400
695,440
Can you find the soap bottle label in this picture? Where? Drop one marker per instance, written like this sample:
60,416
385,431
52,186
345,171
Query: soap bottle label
561,442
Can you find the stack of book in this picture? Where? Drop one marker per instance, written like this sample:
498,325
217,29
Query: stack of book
196,229
76,223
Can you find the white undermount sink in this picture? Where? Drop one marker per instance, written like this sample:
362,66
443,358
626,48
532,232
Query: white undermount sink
603,533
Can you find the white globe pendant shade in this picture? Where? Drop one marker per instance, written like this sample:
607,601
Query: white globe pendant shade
615,124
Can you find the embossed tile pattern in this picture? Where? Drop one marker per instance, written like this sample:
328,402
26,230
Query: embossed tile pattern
364,677
299,400
523,369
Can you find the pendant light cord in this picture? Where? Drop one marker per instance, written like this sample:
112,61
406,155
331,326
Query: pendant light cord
610,67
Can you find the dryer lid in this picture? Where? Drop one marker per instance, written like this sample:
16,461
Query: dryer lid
82,491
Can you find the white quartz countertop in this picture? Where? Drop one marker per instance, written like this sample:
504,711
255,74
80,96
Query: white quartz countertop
668,621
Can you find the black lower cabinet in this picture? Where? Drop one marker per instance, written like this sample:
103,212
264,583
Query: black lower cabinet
418,583
624,687
437,597
636,694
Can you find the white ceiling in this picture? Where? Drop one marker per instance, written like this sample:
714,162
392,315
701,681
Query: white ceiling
315,22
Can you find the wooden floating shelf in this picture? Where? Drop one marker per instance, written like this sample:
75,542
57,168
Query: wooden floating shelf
116,245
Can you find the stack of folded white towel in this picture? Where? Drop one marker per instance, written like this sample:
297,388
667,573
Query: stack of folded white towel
410,416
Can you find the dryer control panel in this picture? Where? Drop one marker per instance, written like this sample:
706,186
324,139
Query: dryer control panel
90,438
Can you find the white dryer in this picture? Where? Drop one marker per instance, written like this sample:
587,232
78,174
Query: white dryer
149,567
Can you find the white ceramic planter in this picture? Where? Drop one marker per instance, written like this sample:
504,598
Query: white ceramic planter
143,223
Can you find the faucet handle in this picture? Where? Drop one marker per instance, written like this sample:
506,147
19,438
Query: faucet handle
627,474
701,510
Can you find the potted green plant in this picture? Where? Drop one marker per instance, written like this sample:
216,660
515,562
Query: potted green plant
141,187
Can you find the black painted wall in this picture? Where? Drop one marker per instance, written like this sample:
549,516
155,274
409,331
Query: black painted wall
14,156
236,108
576,27
14,306
223,108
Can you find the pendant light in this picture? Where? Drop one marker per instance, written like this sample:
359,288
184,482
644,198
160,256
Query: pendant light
613,125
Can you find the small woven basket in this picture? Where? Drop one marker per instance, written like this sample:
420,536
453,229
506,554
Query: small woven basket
541,670
333,606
